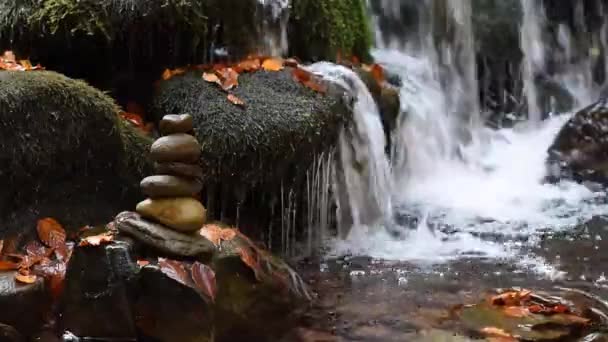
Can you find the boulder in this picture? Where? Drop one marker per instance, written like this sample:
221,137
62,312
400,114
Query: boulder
64,153
176,148
24,305
580,150
169,186
183,214
250,152
174,123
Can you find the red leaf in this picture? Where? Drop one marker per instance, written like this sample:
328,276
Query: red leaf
135,119
229,78
51,232
217,234
248,65
511,298
8,266
204,279
97,240
176,271
307,79
143,263
35,248
378,73
235,100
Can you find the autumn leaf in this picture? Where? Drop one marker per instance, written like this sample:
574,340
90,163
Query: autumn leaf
97,240
50,232
169,73
143,263
235,100
8,265
511,298
204,279
250,258
35,248
355,60
211,78
273,64
229,78
175,270
516,311
308,80
496,332
54,274
291,62
217,234
135,119
378,73
25,277
64,253
248,65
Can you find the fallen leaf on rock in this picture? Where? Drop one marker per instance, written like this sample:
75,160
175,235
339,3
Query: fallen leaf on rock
64,253
211,78
35,248
217,234
143,263
8,265
134,119
229,78
496,332
511,298
25,277
516,311
97,240
291,62
308,80
250,258
235,100
273,64
170,73
248,65
54,274
50,232
204,279
378,73
175,270
9,56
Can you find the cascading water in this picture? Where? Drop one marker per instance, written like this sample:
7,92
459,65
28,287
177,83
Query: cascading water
451,172
275,15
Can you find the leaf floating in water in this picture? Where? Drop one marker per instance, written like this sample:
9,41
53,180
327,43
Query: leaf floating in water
235,100
51,233
97,240
273,64
175,270
204,279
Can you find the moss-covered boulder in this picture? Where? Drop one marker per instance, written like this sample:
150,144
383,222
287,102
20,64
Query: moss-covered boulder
326,29
254,155
64,152
580,150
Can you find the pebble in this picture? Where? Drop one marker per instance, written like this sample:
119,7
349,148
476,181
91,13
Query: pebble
176,148
179,169
183,214
176,123
169,186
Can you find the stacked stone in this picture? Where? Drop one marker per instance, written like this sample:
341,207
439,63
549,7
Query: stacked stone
171,191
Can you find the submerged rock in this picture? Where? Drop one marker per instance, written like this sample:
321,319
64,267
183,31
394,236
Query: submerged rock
174,123
176,148
162,238
169,186
183,214
24,305
580,150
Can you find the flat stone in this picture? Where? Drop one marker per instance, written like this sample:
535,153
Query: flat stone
161,237
176,123
24,304
179,169
169,186
184,214
176,148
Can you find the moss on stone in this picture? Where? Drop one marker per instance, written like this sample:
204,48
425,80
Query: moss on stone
64,152
322,29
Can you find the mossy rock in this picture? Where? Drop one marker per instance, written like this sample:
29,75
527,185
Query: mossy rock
324,29
64,152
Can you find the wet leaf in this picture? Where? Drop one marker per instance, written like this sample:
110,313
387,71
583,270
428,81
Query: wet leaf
355,60
229,78
496,332
50,232
64,253
291,62
134,119
308,80
217,234
273,64
175,270
248,65
25,278
250,258
143,263
204,279
170,73
97,240
211,78
235,100
8,265
378,73
301,75
516,311
35,248
511,298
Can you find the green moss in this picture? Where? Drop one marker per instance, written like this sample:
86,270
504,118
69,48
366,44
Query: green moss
73,16
322,29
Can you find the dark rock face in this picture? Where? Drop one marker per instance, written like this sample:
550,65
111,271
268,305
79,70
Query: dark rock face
23,305
580,150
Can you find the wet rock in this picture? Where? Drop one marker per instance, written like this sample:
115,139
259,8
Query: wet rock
183,214
23,305
176,148
96,297
169,186
162,238
167,310
258,293
179,169
174,123
10,334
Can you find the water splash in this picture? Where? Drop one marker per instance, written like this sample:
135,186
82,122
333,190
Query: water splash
275,17
363,183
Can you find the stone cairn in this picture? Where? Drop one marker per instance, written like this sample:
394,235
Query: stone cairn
171,191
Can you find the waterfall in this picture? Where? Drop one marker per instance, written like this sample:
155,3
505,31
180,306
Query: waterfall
275,16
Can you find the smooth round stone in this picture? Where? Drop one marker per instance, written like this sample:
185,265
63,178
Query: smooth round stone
176,123
179,169
183,214
169,186
176,148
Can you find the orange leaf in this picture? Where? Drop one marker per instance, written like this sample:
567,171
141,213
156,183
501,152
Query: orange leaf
229,78
51,232
248,65
204,279
301,75
168,73
135,119
175,270
235,100
378,73
143,263
8,265
496,332
511,298
250,258
308,80
291,62
516,311
316,86
97,240
25,278
211,78
217,234
273,64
